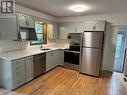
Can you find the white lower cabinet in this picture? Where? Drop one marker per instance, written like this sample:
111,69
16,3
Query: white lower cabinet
50,60
14,73
60,58
54,58
18,73
29,68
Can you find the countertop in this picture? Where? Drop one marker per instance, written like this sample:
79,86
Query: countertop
12,55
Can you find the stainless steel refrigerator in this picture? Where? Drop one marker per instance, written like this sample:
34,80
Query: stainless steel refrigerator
91,52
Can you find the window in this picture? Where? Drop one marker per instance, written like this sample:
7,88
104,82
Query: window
41,32
118,45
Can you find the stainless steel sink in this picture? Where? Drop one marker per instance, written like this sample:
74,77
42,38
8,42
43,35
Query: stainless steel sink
45,49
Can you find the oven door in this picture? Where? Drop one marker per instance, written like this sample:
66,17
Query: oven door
71,57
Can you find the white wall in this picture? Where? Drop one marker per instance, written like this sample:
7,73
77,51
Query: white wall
115,19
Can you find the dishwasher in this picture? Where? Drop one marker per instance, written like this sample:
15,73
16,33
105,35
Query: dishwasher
39,64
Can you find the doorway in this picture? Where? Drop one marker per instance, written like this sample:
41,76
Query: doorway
120,52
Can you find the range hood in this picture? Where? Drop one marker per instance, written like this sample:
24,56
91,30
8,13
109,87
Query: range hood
27,34
70,35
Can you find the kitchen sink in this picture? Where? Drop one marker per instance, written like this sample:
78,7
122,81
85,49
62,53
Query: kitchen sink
45,49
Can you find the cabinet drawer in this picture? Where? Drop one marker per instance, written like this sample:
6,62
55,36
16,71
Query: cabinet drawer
18,65
18,82
18,79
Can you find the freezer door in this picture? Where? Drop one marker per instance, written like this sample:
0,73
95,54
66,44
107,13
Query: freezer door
90,61
92,39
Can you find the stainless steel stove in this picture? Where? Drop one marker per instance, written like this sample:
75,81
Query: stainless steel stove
71,57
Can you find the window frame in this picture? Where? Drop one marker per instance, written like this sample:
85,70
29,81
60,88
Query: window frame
44,33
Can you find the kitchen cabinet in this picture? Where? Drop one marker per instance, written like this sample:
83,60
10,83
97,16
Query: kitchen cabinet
95,25
15,73
29,68
60,57
52,30
79,27
8,29
54,58
51,60
63,30
70,27
12,73
18,73
26,21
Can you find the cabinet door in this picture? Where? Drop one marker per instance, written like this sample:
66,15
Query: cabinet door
29,68
79,27
31,22
56,58
8,28
52,30
22,20
26,21
100,26
49,61
60,58
64,30
94,26
18,72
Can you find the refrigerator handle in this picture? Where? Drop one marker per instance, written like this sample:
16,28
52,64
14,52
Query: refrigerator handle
81,48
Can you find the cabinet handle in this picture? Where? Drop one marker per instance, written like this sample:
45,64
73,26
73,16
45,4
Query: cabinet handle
51,54
27,23
17,68
17,62
18,73
94,27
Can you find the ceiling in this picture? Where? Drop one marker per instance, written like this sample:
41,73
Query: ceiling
61,8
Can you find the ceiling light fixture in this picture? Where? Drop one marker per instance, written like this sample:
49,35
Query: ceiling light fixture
78,8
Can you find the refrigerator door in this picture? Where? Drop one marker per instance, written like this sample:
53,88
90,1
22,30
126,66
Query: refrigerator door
92,39
90,61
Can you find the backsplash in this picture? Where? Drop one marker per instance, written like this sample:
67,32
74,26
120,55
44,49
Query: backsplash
51,43
7,45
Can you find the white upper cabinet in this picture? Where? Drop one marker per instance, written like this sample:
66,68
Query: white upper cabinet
63,32
52,30
78,27
26,21
70,27
8,29
95,25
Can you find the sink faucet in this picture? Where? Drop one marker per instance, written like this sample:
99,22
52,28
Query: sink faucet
41,46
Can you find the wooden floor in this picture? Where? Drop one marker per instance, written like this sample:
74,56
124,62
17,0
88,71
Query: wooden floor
61,81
